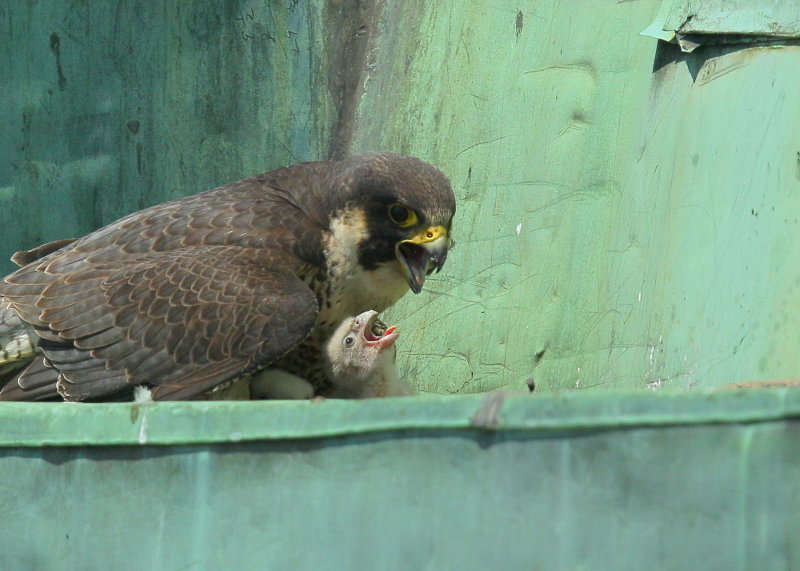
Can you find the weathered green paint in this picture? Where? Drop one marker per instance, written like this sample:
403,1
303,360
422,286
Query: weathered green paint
742,17
626,210
35,425
111,107
674,478
627,214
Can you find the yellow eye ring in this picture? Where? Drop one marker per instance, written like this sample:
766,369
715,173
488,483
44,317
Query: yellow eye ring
402,215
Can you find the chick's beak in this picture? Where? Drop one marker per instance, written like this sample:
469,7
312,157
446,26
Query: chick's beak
421,254
375,332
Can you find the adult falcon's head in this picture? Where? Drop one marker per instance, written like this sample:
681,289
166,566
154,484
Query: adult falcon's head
396,212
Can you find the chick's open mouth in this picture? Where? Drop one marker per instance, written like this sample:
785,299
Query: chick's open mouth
376,333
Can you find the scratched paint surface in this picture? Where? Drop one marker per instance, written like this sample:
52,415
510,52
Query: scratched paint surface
618,225
627,215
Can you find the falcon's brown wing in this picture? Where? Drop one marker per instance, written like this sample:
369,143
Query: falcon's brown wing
182,321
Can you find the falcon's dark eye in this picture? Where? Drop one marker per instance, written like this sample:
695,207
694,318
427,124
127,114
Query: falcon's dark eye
401,215
349,340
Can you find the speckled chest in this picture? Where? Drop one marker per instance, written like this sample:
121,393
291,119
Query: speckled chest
306,360
343,290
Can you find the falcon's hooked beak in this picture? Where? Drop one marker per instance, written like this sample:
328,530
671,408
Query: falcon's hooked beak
421,254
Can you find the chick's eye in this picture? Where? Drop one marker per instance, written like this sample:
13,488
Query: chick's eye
402,215
349,340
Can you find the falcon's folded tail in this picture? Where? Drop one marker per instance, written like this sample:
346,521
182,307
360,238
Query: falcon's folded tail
17,340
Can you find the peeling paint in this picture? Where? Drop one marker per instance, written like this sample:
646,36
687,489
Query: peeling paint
693,24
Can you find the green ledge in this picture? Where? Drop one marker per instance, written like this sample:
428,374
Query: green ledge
172,423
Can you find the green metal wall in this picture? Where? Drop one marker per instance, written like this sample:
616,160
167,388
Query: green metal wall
603,480
627,213
627,217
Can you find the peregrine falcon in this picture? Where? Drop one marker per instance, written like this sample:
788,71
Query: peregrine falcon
187,296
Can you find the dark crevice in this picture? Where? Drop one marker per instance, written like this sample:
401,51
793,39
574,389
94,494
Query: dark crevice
352,27
710,47
55,47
